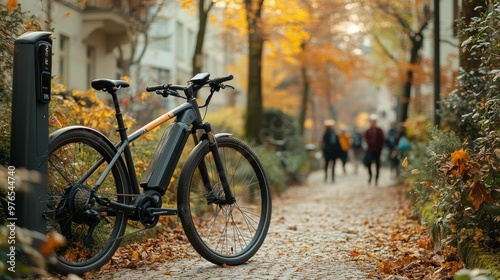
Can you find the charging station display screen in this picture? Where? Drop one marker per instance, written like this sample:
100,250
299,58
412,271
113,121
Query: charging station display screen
44,66
45,87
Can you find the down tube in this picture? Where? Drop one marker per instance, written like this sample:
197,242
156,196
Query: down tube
166,156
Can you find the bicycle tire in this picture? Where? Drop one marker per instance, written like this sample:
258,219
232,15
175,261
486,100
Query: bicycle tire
207,226
71,153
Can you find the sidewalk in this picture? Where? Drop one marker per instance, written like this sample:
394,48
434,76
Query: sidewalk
318,231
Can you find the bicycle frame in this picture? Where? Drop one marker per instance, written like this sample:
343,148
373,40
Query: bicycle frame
167,154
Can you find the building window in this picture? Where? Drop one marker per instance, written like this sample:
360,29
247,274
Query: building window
160,37
180,42
191,41
119,68
90,64
163,76
64,60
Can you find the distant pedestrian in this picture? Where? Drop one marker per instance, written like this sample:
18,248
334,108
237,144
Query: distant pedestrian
331,148
374,138
391,143
401,147
345,144
357,149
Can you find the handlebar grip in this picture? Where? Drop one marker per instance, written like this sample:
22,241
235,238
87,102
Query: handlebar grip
167,86
154,88
222,79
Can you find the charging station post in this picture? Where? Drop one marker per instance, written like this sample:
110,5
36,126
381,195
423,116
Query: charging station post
30,130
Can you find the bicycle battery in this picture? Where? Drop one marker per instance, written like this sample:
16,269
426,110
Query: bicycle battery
165,158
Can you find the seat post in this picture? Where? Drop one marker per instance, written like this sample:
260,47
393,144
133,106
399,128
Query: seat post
122,130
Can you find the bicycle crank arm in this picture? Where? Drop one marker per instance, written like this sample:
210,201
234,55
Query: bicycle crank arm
120,207
162,212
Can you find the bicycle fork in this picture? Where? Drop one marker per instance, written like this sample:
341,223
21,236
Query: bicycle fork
214,149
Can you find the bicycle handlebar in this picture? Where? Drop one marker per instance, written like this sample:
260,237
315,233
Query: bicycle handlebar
215,82
222,79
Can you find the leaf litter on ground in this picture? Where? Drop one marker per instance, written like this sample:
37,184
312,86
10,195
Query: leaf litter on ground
398,245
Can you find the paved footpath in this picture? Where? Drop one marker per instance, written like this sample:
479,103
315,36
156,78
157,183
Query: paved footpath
315,230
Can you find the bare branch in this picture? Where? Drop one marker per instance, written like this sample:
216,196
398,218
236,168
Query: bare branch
384,48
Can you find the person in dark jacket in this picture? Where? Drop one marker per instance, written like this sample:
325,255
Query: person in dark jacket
331,147
375,140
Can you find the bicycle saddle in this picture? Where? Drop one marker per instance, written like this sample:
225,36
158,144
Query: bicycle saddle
108,85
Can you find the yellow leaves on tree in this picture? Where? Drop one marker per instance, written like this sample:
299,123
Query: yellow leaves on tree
285,99
282,21
188,4
287,20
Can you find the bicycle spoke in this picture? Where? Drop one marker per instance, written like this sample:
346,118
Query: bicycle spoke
229,233
76,160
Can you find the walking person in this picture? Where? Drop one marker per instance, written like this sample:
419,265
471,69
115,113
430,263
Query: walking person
331,148
401,147
345,144
375,139
357,149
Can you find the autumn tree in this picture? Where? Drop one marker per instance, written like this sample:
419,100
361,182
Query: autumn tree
412,18
254,117
140,20
204,7
299,50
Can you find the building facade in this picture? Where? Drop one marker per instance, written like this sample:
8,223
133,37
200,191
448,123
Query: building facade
91,39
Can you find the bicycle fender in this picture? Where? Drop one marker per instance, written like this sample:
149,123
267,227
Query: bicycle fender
54,135
223,134
204,140
58,133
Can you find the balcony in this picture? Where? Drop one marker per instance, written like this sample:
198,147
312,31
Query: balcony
110,17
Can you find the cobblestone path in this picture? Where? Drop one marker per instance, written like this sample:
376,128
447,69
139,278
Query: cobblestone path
315,230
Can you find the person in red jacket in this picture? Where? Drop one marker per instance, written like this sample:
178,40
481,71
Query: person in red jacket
375,140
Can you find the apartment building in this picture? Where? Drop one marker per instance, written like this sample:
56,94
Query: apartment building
87,34
448,55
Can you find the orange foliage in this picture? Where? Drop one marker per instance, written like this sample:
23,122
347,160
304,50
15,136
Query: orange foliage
460,158
12,4
54,240
462,167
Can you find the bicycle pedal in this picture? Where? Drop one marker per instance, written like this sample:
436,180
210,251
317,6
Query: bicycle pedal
162,212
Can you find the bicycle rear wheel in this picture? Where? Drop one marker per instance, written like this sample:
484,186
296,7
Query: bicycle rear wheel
71,155
225,234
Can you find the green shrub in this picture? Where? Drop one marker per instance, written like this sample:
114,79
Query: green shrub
13,23
274,170
463,171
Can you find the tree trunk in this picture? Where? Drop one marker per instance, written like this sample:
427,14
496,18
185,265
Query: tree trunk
305,98
416,44
332,113
254,114
197,60
468,12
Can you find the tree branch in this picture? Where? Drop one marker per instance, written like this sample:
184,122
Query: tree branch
384,48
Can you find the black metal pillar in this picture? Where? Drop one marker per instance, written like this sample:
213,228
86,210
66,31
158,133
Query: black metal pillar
30,110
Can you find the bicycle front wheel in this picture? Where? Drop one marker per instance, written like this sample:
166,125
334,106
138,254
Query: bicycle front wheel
93,232
225,233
